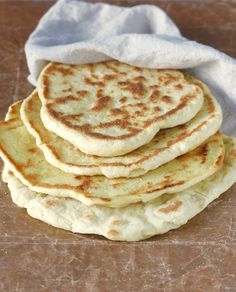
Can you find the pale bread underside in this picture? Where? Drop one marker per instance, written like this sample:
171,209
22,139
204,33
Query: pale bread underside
165,146
111,108
21,155
132,223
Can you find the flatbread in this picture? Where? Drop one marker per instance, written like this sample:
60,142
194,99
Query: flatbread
13,110
21,155
132,223
111,108
165,146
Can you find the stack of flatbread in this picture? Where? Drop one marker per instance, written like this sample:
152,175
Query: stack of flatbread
116,150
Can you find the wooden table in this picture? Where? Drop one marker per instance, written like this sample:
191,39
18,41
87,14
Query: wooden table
200,256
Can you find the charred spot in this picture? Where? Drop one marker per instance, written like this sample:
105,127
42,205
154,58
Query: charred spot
139,78
67,89
172,207
73,116
155,96
211,106
105,199
166,185
116,123
109,77
116,111
32,149
220,160
101,103
166,99
65,71
99,93
157,109
134,88
82,93
88,81
46,86
113,233
123,99
167,79
178,86
86,182
137,69
203,151
50,203
65,99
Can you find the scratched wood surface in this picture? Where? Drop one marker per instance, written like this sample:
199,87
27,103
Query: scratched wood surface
200,256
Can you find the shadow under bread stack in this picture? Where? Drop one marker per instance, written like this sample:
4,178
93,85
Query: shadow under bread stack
116,150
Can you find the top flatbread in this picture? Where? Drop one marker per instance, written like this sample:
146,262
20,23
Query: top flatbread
111,108
164,147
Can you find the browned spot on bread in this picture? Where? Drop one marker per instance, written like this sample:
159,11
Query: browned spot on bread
116,111
32,177
211,105
99,93
82,93
178,86
70,97
73,116
67,89
13,110
109,66
109,77
65,71
172,207
157,108
141,105
86,182
113,233
135,88
10,173
101,103
117,222
52,149
105,199
203,151
137,69
46,85
139,78
119,111
32,149
167,79
220,160
116,123
166,185
88,81
50,203
155,96
123,99
166,99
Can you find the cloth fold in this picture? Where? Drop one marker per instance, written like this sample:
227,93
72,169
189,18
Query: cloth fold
77,32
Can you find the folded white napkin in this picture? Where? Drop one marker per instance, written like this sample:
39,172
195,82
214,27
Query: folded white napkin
77,32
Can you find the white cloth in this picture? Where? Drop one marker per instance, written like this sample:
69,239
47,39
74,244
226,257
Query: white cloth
77,32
